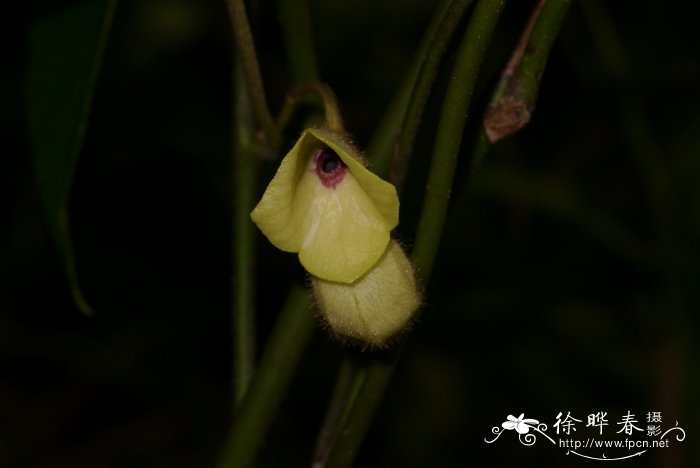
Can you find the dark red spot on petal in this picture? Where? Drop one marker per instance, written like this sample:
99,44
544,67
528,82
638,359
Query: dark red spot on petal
329,167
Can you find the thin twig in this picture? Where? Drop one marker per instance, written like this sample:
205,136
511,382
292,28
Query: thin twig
513,100
422,89
245,169
342,393
259,394
383,144
285,347
450,129
295,19
251,70
519,51
333,118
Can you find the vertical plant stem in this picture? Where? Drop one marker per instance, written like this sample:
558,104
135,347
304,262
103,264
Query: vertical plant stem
449,135
422,88
377,372
295,18
540,44
513,100
258,394
369,385
245,175
285,347
390,147
342,393
381,148
517,56
480,150
251,71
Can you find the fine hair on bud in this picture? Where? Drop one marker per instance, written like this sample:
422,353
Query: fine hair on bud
376,308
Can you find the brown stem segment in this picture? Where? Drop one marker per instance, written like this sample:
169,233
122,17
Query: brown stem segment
509,111
251,70
334,119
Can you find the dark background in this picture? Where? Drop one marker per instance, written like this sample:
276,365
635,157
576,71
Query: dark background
567,279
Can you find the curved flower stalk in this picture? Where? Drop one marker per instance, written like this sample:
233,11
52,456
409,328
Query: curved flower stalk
324,204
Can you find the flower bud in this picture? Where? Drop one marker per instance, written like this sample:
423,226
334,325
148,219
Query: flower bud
376,307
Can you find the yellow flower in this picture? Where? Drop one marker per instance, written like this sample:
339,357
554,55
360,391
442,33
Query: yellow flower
324,204
377,306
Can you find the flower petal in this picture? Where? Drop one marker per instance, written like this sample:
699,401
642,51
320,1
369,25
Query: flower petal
340,232
382,193
522,428
376,307
509,425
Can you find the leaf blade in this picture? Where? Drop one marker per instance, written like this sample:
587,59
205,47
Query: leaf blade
66,53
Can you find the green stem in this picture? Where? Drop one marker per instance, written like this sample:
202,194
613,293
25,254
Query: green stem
422,88
368,388
539,46
516,57
404,112
258,394
286,345
377,372
342,393
245,170
480,150
251,71
517,91
295,18
449,136
382,146
333,118
514,98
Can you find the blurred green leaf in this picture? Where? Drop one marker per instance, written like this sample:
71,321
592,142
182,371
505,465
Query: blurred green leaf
66,52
